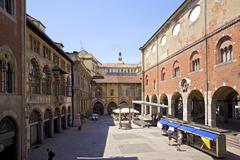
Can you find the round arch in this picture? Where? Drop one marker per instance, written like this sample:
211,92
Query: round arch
64,117
147,111
177,105
8,132
69,122
225,106
57,120
47,126
164,100
35,120
112,105
98,108
196,106
154,99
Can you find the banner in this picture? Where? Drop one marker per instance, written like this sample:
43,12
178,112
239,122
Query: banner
206,142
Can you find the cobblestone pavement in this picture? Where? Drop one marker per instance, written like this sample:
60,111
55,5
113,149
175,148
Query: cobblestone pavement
103,140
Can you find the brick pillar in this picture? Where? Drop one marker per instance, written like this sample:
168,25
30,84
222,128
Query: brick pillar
40,132
51,124
210,110
59,124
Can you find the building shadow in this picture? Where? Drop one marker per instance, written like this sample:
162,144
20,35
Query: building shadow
89,142
110,158
229,156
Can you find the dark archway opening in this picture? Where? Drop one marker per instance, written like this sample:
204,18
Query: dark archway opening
177,106
98,108
147,107
35,127
226,102
47,123
8,143
196,107
111,107
164,101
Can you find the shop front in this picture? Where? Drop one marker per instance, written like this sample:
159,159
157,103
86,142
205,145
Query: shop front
213,143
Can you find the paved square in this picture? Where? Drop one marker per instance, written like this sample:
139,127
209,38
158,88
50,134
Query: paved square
103,140
135,148
125,136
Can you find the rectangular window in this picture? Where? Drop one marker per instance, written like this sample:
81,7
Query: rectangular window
69,68
62,64
112,92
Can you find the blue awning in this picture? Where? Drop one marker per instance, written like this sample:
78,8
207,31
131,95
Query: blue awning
205,134
174,125
187,129
164,121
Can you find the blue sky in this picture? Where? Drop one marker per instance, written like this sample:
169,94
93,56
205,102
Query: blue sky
103,27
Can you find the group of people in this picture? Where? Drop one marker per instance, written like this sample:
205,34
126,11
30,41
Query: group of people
179,139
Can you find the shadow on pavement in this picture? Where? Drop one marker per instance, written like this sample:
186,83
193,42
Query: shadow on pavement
90,142
110,158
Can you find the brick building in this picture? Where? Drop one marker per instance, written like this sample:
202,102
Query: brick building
192,63
12,15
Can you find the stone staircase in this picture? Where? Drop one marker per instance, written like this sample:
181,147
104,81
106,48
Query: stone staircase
233,140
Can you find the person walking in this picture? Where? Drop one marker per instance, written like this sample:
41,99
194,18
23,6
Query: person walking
179,140
169,139
51,154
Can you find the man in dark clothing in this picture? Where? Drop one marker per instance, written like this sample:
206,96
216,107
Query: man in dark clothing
51,155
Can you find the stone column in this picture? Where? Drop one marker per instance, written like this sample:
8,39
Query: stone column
59,123
51,125
40,132
66,121
170,110
77,121
142,109
150,110
186,107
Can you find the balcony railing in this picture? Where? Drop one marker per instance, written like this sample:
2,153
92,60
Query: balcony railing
38,98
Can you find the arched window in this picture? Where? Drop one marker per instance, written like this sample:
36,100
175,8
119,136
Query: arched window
35,76
146,80
194,62
69,86
46,81
56,84
63,86
225,50
176,69
163,74
154,84
7,71
98,92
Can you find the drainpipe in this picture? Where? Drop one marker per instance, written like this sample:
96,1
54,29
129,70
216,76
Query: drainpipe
206,51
